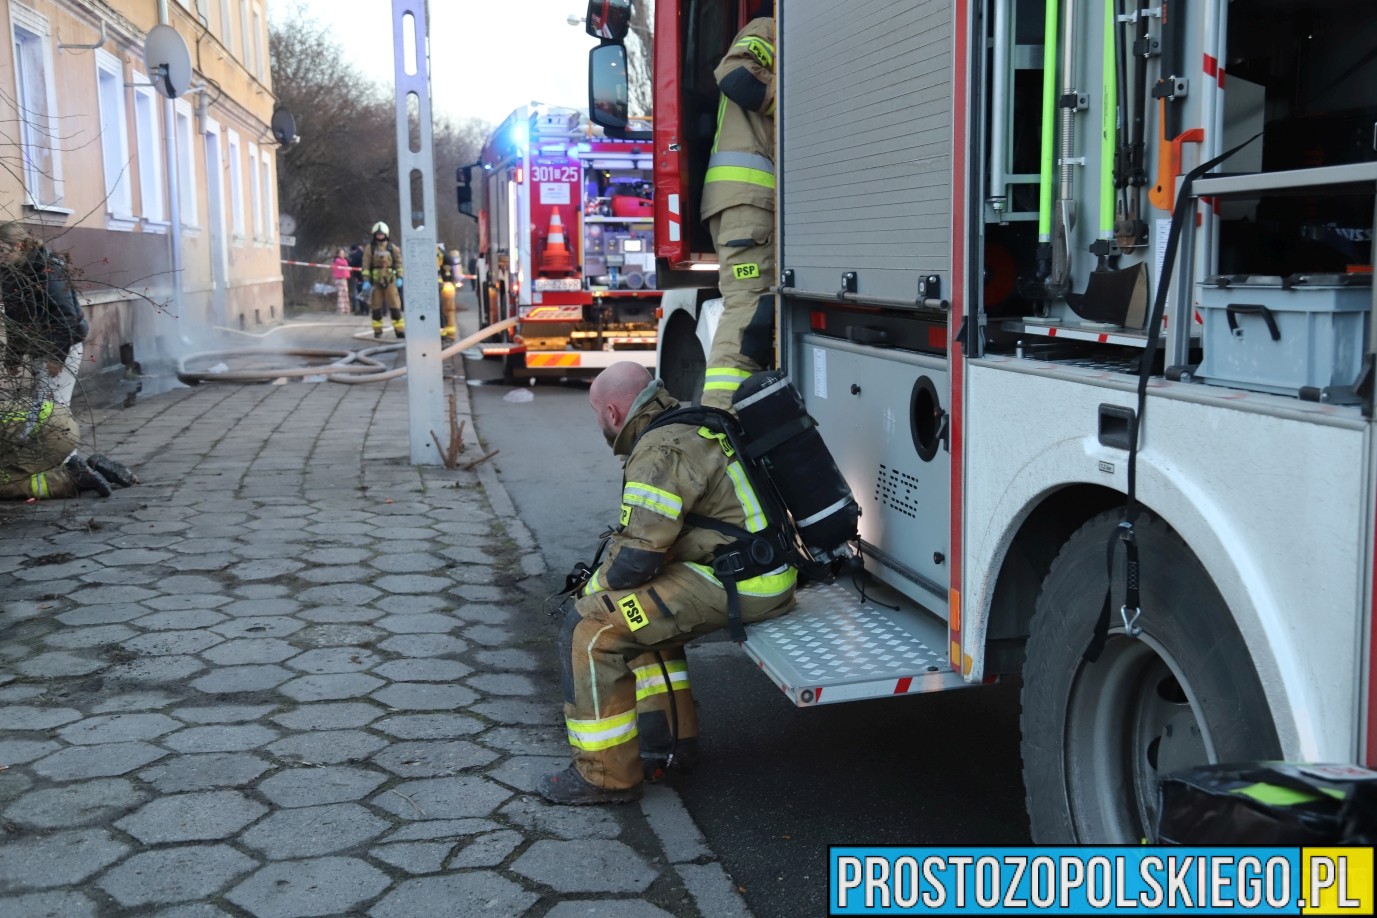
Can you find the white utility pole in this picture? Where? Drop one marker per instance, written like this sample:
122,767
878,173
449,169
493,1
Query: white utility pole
424,379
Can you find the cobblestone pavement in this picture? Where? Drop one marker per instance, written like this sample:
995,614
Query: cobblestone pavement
291,674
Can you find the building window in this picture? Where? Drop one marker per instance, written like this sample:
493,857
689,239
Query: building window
269,224
36,107
227,25
255,202
246,45
150,152
236,181
186,163
114,136
257,44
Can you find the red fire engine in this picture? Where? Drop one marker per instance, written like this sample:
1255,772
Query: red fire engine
567,245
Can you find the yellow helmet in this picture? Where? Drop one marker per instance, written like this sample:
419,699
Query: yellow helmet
381,227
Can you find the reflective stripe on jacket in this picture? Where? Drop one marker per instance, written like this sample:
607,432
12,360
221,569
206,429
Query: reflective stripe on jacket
741,168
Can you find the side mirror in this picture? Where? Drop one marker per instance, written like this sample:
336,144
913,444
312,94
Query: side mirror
608,87
464,192
608,19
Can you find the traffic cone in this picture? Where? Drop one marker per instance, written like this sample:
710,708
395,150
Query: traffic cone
556,259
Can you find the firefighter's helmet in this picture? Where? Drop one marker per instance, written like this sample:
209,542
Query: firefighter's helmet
381,227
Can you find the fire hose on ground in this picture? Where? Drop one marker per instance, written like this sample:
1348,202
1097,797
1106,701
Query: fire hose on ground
349,366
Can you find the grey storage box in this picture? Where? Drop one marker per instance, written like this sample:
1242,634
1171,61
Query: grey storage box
1302,335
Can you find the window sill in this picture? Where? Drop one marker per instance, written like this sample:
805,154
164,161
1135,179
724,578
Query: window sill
124,224
49,209
156,226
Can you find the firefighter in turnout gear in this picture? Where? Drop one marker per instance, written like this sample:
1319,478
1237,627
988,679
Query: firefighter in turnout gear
448,276
628,706
382,267
38,458
739,208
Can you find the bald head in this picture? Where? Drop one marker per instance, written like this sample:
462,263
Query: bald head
613,392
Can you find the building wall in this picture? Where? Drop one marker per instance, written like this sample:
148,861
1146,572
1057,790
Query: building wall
102,194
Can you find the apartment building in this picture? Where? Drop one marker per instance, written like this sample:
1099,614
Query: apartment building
167,211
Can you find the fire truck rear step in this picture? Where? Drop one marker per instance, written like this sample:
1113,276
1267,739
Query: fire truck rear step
835,648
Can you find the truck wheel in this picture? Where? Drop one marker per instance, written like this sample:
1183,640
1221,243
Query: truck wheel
1098,737
682,361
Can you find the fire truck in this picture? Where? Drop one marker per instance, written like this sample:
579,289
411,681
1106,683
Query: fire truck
1104,397
566,235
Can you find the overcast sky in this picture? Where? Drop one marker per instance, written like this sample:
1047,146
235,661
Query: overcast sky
487,56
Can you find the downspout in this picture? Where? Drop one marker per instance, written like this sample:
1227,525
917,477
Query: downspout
174,203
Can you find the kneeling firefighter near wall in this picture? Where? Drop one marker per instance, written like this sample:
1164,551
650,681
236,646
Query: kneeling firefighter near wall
702,542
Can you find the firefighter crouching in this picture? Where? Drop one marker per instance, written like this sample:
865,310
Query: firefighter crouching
739,209
628,706
38,458
382,267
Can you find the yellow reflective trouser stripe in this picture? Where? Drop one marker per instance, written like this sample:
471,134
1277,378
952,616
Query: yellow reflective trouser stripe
650,680
750,504
740,174
775,583
38,485
657,500
604,733
724,378
760,49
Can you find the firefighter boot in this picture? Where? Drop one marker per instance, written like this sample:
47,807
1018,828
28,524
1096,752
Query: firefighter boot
87,478
569,788
114,471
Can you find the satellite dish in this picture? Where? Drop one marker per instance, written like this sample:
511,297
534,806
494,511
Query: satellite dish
284,127
168,61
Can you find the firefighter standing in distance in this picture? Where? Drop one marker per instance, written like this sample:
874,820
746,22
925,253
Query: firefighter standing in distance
739,207
382,266
628,707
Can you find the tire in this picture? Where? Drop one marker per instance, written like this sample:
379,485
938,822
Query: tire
1097,737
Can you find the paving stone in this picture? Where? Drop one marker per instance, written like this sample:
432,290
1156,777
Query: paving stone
537,816
488,635
328,747
315,786
424,696
224,713
133,701
424,645
155,669
329,716
65,904
488,850
204,772
328,635
476,592
265,568
13,784
443,798
519,711
335,573
443,829
335,660
336,594
203,816
139,575
337,614
467,554
330,686
429,622
180,620
429,726
404,604
609,908
221,738
414,857
100,761
60,859
322,886
313,830
25,717
14,693
192,910
168,643
107,595
117,728
72,639
585,866
103,614
433,759
175,874
257,591
258,626
58,663
75,805
17,752
191,584
242,679
336,555
410,562
476,893
121,557
266,607
474,573
503,684
425,670
522,772
251,650
508,658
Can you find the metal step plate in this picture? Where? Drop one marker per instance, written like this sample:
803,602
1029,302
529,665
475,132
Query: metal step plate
835,648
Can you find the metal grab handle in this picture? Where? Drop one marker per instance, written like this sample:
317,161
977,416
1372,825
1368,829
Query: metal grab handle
1234,310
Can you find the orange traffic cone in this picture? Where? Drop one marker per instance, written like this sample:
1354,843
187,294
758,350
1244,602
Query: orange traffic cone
556,259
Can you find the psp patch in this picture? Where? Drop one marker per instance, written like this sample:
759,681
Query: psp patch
746,272
625,518
635,616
